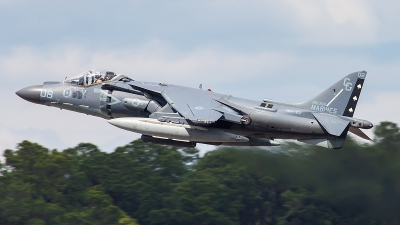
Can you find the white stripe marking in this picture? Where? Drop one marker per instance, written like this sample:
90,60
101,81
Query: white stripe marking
335,97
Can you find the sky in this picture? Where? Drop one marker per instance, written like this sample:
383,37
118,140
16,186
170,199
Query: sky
285,50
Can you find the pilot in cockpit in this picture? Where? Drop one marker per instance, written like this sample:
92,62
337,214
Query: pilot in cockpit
109,75
99,79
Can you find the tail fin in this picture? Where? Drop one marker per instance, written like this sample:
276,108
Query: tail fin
341,98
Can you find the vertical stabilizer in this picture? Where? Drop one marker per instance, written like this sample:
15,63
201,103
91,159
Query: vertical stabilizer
341,98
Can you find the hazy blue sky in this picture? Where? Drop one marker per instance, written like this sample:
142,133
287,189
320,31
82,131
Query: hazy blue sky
285,50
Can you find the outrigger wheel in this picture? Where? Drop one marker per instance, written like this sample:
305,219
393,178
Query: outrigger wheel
246,120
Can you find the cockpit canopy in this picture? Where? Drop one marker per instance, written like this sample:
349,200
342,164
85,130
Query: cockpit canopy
91,77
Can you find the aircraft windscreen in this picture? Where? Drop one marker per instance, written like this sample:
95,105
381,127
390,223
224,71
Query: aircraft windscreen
75,80
90,77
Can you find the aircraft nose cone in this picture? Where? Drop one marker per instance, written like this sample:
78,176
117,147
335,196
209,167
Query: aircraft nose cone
31,93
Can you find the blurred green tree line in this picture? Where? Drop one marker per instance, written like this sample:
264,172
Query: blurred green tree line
142,183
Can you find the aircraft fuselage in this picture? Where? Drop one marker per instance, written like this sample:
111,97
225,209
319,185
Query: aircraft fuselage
193,113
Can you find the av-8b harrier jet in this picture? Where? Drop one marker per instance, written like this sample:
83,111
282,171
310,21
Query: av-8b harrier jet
182,116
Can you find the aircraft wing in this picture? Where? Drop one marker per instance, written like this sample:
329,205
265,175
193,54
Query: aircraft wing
195,107
198,106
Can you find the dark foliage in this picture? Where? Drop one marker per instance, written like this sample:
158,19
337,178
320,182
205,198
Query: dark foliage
294,184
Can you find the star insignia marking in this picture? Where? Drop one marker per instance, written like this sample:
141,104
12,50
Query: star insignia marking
359,86
355,98
351,110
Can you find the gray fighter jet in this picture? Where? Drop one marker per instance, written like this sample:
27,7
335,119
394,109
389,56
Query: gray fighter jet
182,116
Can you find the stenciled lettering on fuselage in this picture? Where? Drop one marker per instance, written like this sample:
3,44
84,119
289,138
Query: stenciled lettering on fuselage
75,92
322,107
293,111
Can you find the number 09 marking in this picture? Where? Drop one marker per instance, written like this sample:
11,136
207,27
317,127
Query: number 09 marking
46,93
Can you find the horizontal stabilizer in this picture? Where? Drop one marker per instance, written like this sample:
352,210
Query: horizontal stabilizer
326,143
358,132
334,125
